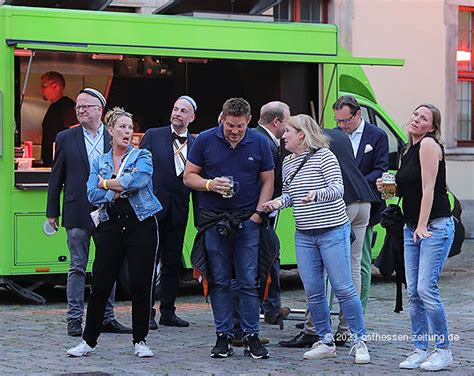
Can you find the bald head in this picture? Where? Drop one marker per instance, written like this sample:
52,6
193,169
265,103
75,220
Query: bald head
182,114
273,116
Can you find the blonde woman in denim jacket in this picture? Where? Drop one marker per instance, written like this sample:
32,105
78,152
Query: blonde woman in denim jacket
120,185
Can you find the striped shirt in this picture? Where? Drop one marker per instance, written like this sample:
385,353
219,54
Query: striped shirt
94,144
321,173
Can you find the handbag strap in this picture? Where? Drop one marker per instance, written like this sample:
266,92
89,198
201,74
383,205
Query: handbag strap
124,162
305,159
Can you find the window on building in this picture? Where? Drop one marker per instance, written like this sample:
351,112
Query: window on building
465,126
299,11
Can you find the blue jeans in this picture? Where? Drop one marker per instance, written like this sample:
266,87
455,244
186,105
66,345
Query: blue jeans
424,261
78,241
239,253
271,306
329,249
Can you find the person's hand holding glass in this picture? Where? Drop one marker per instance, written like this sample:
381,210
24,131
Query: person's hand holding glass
386,185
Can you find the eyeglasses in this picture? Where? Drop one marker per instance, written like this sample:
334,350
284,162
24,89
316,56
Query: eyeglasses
46,85
85,107
343,121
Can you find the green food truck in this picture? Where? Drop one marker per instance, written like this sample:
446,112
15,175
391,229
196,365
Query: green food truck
144,62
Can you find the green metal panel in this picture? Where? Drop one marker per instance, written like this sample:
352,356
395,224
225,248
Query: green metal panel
177,36
31,250
6,160
109,32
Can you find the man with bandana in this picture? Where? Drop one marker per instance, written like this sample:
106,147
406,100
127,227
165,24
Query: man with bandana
169,147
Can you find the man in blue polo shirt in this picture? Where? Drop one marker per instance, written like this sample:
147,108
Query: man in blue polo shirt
233,167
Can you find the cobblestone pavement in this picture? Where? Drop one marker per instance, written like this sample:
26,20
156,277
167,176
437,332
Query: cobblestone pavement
33,338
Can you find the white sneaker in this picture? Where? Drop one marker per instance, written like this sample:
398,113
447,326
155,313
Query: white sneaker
438,359
361,353
414,359
142,350
320,351
82,349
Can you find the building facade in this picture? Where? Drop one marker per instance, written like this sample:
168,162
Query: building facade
435,39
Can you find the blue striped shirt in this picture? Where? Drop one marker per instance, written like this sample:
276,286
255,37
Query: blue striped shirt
94,145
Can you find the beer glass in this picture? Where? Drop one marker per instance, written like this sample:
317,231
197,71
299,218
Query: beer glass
388,185
234,187
230,192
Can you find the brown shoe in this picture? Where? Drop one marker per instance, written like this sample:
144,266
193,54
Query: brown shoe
278,318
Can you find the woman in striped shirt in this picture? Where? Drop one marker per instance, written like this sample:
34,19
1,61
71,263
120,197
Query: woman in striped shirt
312,185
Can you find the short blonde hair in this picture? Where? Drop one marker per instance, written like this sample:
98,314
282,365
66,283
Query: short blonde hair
313,137
114,114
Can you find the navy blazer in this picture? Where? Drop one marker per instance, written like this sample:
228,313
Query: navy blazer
277,160
356,187
169,188
372,161
71,172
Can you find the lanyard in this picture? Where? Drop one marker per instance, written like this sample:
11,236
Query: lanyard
179,149
94,144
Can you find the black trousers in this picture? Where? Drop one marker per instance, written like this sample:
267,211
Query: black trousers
123,236
170,254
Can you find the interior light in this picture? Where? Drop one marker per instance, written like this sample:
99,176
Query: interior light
463,55
107,57
191,60
24,52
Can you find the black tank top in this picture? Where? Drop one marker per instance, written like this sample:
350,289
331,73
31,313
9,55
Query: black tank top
408,180
120,206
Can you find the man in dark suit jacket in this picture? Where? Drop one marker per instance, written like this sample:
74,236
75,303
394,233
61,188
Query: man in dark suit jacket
370,147
76,148
169,147
273,118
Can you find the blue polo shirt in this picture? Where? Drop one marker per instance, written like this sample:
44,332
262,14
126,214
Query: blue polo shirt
213,153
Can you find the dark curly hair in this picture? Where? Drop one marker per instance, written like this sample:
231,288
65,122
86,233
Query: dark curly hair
236,107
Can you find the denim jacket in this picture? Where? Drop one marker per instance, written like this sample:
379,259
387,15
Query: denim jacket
135,179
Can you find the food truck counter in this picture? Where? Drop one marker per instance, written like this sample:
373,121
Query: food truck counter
33,178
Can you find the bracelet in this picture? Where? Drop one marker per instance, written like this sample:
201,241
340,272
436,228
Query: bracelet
260,213
208,184
104,184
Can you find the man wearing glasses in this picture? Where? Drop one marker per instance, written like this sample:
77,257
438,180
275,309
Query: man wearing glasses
60,114
76,148
370,148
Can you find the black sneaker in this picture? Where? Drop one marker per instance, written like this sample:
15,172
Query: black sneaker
223,347
340,338
152,325
254,348
74,328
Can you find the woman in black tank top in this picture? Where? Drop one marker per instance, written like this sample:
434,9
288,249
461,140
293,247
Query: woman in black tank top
428,235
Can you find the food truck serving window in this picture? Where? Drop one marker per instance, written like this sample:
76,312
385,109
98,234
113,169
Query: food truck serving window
146,86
